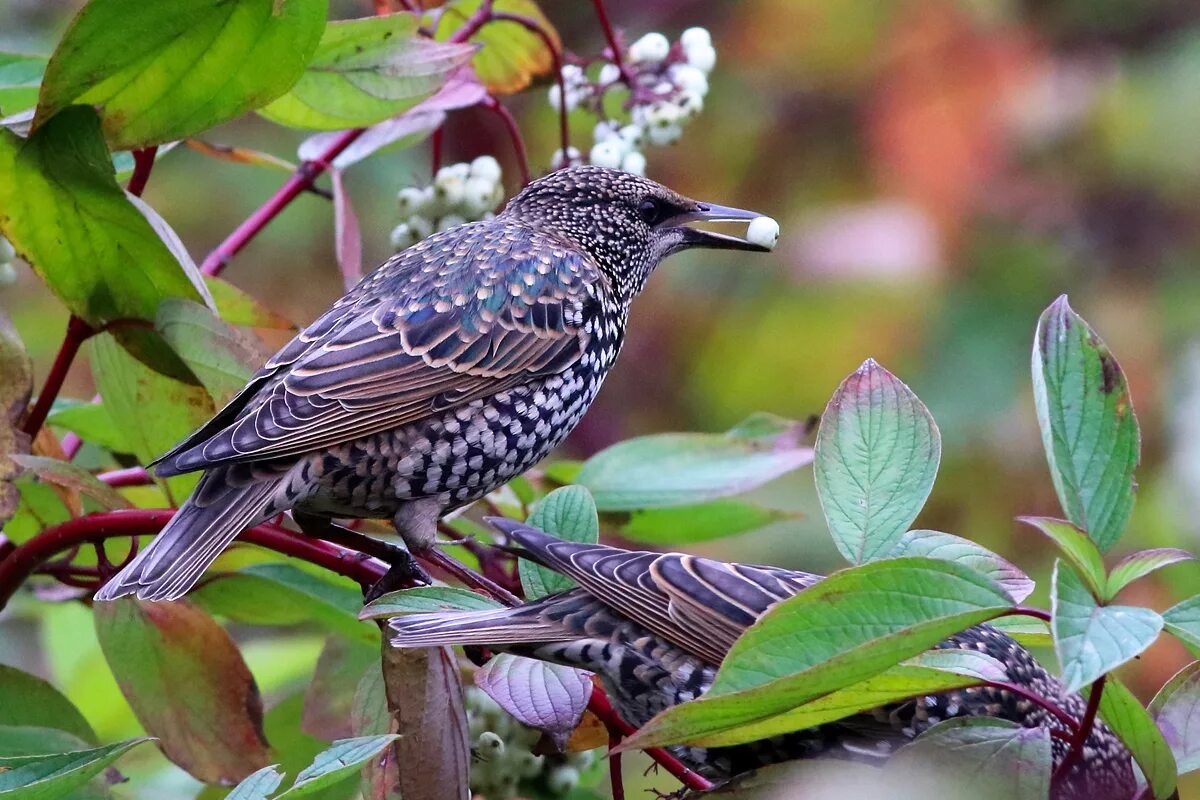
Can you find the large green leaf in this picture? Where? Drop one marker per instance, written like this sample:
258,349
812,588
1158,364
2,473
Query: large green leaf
511,55
1176,711
877,454
28,700
854,624
948,547
422,599
568,513
1183,620
186,681
92,423
295,749
1091,639
1002,758
1088,426
677,469
364,71
702,522
222,357
164,71
929,673
1134,726
239,308
20,76
154,411
1079,550
32,740
63,211
48,777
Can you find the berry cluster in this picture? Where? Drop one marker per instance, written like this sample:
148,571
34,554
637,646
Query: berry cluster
503,762
667,85
459,193
8,273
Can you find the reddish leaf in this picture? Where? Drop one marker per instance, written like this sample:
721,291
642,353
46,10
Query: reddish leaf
188,685
548,697
511,55
347,239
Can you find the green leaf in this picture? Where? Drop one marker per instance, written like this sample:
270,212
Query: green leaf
948,547
16,384
996,753
185,679
344,757
1134,726
929,673
164,71
92,423
72,476
329,696
221,356
1088,426
238,308
511,55
1183,620
295,749
877,454
154,411
568,513
1142,563
364,71
32,740
1080,551
1176,711
20,76
702,522
426,598
1091,639
258,785
47,777
62,209
854,624
678,469
1026,631
28,700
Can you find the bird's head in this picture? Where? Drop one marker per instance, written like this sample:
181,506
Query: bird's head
625,222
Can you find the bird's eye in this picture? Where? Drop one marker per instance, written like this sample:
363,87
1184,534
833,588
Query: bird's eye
651,211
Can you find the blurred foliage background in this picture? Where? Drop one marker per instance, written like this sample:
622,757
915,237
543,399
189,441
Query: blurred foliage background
941,171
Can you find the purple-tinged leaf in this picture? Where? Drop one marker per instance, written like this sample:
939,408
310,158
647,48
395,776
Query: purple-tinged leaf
948,547
1089,430
877,454
1077,547
548,697
1142,563
1176,711
1136,729
188,685
346,236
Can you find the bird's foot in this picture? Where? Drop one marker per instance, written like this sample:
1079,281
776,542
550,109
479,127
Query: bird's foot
403,572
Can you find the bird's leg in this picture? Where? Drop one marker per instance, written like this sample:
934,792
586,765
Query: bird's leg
403,570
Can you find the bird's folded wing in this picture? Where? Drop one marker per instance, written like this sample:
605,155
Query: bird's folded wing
411,343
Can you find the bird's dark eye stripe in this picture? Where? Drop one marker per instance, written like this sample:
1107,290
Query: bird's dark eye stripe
652,211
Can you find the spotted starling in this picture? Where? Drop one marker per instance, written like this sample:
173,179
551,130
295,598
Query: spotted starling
655,627
452,368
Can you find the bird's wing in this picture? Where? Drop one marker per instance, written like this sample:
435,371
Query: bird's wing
460,316
697,604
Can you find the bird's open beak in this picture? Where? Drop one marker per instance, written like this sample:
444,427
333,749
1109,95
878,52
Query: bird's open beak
711,212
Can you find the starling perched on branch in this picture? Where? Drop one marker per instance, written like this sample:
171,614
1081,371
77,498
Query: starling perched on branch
655,627
452,368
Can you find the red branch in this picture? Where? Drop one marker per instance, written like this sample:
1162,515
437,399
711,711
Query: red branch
78,332
1082,732
514,133
300,181
610,36
143,162
616,779
602,708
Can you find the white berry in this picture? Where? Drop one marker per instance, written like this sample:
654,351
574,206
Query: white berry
402,236
554,96
763,231
487,168
559,160
477,196
7,252
702,58
450,221
695,37
421,226
411,200
665,134
690,104
649,48
690,79
609,73
632,135
634,162
606,154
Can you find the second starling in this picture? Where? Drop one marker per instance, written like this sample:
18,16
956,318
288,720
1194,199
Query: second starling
454,367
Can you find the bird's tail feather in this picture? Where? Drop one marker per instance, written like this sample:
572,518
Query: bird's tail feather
495,627
220,508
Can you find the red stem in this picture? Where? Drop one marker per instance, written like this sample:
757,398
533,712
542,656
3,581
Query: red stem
615,779
1028,611
78,332
564,130
1082,732
600,706
610,36
143,162
435,146
301,180
1047,704
473,23
514,133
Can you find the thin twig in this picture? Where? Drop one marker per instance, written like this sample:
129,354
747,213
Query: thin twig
143,162
1082,732
78,332
473,23
600,705
514,133
614,47
615,779
436,558
532,25
1028,611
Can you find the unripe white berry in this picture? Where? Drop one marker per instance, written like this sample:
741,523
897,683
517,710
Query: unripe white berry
411,200
763,231
561,780
486,167
554,97
665,134
572,74
605,129
450,221
702,58
421,226
489,746
649,48
690,104
633,136
477,196
402,236
559,160
449,191
606,154
634,162
690,79
609,73
527,764
695,37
